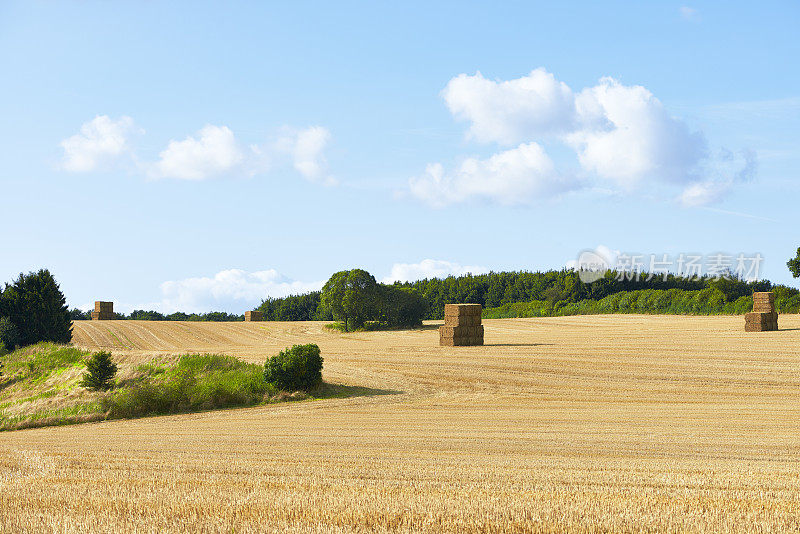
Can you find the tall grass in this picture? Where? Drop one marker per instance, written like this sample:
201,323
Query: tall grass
196,382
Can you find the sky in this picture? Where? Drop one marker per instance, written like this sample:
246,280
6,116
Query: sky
202,156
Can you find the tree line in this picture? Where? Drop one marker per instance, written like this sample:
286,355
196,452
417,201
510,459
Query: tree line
151,315
497,289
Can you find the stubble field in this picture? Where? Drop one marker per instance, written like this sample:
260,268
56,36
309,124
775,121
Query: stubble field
588,423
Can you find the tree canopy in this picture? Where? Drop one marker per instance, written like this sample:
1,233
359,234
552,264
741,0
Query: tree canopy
794,264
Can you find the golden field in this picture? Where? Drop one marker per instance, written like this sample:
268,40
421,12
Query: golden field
587,423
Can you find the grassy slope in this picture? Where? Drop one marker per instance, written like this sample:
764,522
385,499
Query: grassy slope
40,387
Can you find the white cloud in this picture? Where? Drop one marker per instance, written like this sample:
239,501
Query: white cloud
626,135
728,170
306,150
212,152
99,142
704,193
232,290
215,151
409,272
510,111
621,136
511,177
600,254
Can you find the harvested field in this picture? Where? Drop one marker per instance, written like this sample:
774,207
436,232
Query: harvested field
592,423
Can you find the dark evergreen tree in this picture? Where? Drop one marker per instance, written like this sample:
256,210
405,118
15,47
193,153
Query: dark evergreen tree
100,372
38,308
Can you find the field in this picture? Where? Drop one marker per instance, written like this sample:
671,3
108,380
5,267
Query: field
587,423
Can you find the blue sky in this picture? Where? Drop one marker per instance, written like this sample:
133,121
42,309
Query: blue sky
200,156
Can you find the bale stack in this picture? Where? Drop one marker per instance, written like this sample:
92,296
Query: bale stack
462,326
253,316
763,318
103,311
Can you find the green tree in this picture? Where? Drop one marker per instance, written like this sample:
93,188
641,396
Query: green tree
101,372
299,367
794,264
9,334
38,308
352,297
400,306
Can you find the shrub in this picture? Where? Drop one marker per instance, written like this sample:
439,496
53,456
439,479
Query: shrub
299,367
101,372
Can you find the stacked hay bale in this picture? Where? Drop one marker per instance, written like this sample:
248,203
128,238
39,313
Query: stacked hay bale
763,318
462,326
253,316
103,311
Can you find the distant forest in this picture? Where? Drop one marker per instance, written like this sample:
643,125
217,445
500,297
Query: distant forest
552,290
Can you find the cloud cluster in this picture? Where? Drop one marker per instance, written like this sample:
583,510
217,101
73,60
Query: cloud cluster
99,143
509,177
622,137
229,290
212,152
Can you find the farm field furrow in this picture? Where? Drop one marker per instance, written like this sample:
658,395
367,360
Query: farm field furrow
587,423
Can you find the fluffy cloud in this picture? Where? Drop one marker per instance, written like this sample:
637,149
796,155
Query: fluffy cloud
307,151
213,152
99,142
509,111
622,137
232,290
508,177
409,272
626,135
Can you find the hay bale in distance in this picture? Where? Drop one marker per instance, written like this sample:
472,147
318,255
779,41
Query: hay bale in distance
103,311
250,316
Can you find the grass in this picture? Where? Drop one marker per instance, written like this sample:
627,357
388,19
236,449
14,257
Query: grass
41,387
194,383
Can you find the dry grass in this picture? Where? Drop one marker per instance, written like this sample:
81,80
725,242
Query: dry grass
587,423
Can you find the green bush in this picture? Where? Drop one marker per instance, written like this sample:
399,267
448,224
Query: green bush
297,368
100,372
